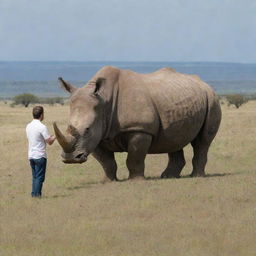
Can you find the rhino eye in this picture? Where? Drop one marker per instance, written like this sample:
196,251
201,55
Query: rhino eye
87,130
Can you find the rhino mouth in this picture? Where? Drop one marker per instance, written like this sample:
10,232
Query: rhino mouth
78,159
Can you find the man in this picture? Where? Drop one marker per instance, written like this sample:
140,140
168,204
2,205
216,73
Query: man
38,136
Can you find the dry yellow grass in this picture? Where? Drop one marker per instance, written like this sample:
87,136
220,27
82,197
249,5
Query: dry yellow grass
78,215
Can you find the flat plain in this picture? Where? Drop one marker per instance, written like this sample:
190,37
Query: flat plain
78,215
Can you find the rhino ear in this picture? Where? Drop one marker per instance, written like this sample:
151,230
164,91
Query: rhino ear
99,83
67,86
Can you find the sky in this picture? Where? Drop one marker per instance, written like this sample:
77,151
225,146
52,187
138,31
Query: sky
128,30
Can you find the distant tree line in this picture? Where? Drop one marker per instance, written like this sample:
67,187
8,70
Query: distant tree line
26,98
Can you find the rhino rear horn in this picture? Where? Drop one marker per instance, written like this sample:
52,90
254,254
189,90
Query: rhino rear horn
67,86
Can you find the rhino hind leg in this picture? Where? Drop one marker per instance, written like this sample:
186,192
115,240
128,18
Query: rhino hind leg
175,165
204,139
138,146
201,146
108,163
200,158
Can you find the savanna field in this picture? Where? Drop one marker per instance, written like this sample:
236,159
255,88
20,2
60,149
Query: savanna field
80,216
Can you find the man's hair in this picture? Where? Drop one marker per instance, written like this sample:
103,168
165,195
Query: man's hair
37,111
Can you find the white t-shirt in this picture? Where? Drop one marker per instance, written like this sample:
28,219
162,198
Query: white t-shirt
37,133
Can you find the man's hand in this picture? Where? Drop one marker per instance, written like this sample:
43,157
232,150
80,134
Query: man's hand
50,140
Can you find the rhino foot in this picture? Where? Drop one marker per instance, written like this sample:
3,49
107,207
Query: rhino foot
136,178
169,176
197,174
107,180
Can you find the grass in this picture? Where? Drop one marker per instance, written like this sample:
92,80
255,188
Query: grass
79,215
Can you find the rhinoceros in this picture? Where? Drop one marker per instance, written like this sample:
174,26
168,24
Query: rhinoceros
124,111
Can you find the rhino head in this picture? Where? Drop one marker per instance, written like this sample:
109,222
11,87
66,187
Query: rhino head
86,122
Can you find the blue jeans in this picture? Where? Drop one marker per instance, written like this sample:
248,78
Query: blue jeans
38,175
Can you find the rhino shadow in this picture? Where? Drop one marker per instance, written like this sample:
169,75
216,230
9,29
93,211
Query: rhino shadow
188,176
88,185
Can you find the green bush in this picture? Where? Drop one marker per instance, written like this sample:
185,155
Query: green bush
25,99
236,99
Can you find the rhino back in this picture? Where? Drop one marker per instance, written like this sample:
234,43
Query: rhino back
169,105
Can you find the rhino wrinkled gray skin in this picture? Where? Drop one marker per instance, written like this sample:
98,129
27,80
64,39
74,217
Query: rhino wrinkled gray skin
123,111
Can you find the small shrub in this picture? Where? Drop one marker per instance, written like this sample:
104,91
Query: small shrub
25,99
252,97
12,105
236,99
52,101
222,99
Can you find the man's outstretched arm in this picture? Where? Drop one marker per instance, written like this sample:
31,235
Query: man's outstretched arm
50,140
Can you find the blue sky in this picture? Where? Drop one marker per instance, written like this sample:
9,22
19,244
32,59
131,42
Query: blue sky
130,30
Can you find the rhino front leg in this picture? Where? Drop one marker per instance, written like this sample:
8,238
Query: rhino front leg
138,146
175,165
108,163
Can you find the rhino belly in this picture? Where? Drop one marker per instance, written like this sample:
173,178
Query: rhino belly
177,134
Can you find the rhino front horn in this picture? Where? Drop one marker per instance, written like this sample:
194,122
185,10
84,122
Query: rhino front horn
65,142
